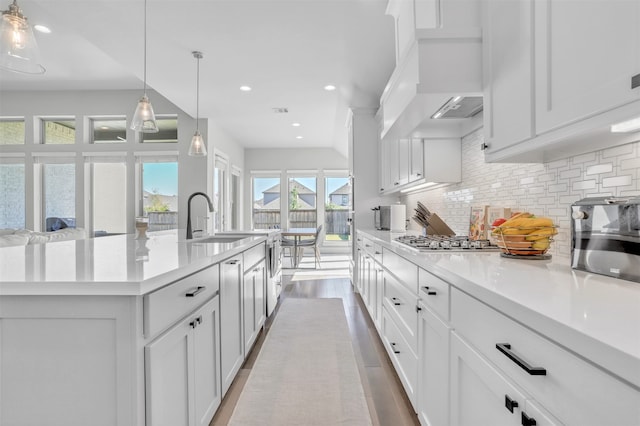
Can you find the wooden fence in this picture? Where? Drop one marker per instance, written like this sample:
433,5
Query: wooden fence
335,220
160,221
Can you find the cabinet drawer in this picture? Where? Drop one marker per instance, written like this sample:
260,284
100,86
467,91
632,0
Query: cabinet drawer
373,250
164,307
434,292
404,359
253,256
573,390
402,305
405,271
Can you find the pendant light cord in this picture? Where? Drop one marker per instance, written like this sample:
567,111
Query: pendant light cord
145,48
198,93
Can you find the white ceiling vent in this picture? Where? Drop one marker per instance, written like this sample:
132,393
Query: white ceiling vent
460,107
280,110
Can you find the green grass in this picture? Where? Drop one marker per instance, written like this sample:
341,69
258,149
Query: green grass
337,237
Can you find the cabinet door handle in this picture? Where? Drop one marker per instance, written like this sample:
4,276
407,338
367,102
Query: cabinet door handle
528,421
232,262
396,301
418,308
418,174
430,293
194,293
510,403
199,319
505,348
378,252
395,350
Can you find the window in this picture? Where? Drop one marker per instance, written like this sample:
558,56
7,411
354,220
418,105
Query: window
302,202
337,209
11,131
167,131
234,198
12,198
160,192
108,197
59,195
265,202
108,130
219,193
59,131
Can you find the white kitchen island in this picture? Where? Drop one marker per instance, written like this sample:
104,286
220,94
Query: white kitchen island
119,331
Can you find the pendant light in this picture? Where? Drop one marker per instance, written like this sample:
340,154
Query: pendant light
144,120
18,47
198,148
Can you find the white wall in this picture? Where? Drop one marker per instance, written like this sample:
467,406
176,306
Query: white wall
282,160
543,189
192,171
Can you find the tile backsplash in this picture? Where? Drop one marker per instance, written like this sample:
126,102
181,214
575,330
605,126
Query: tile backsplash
546,189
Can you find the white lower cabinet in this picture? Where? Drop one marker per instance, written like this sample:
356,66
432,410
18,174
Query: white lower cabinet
433,369
231,316
254,303
183,371
480,395
403,357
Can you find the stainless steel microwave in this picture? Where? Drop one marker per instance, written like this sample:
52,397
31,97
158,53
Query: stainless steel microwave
605,236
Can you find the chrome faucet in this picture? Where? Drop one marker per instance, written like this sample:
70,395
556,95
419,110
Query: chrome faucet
189,232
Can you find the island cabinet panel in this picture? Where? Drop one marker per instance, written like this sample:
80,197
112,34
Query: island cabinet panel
182,371
68,361
231,319
254,303
163,307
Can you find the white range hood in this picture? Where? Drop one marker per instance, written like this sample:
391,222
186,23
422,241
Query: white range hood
439,67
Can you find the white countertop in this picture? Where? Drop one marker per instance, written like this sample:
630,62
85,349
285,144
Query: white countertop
116,265
596,317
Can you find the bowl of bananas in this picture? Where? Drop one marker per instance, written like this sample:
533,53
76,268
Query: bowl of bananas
524,236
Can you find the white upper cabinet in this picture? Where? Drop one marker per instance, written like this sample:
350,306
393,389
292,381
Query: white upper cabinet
416,165
586,53
557,75
507,72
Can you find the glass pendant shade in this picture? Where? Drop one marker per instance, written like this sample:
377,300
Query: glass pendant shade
197,148
144,120
18,47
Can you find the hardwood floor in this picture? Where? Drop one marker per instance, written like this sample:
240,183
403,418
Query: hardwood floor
387,400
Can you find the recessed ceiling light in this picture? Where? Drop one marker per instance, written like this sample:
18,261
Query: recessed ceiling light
296,124
329,87
245,88
298,137
42,29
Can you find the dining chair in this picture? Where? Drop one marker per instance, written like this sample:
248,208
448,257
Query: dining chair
313,243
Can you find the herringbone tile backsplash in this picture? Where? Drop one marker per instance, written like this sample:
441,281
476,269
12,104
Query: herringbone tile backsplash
543,189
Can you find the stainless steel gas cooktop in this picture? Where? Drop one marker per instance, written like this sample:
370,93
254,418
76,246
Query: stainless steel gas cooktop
443,242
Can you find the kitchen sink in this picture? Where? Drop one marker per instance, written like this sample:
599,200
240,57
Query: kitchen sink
219,239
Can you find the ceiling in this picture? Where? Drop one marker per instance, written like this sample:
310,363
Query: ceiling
286,51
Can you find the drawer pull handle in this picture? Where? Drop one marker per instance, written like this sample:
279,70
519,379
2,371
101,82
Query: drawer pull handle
194,293
232,262
418,308
528,421
367,245
510,403
396,301
505,348
430,293
395,350
378,252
